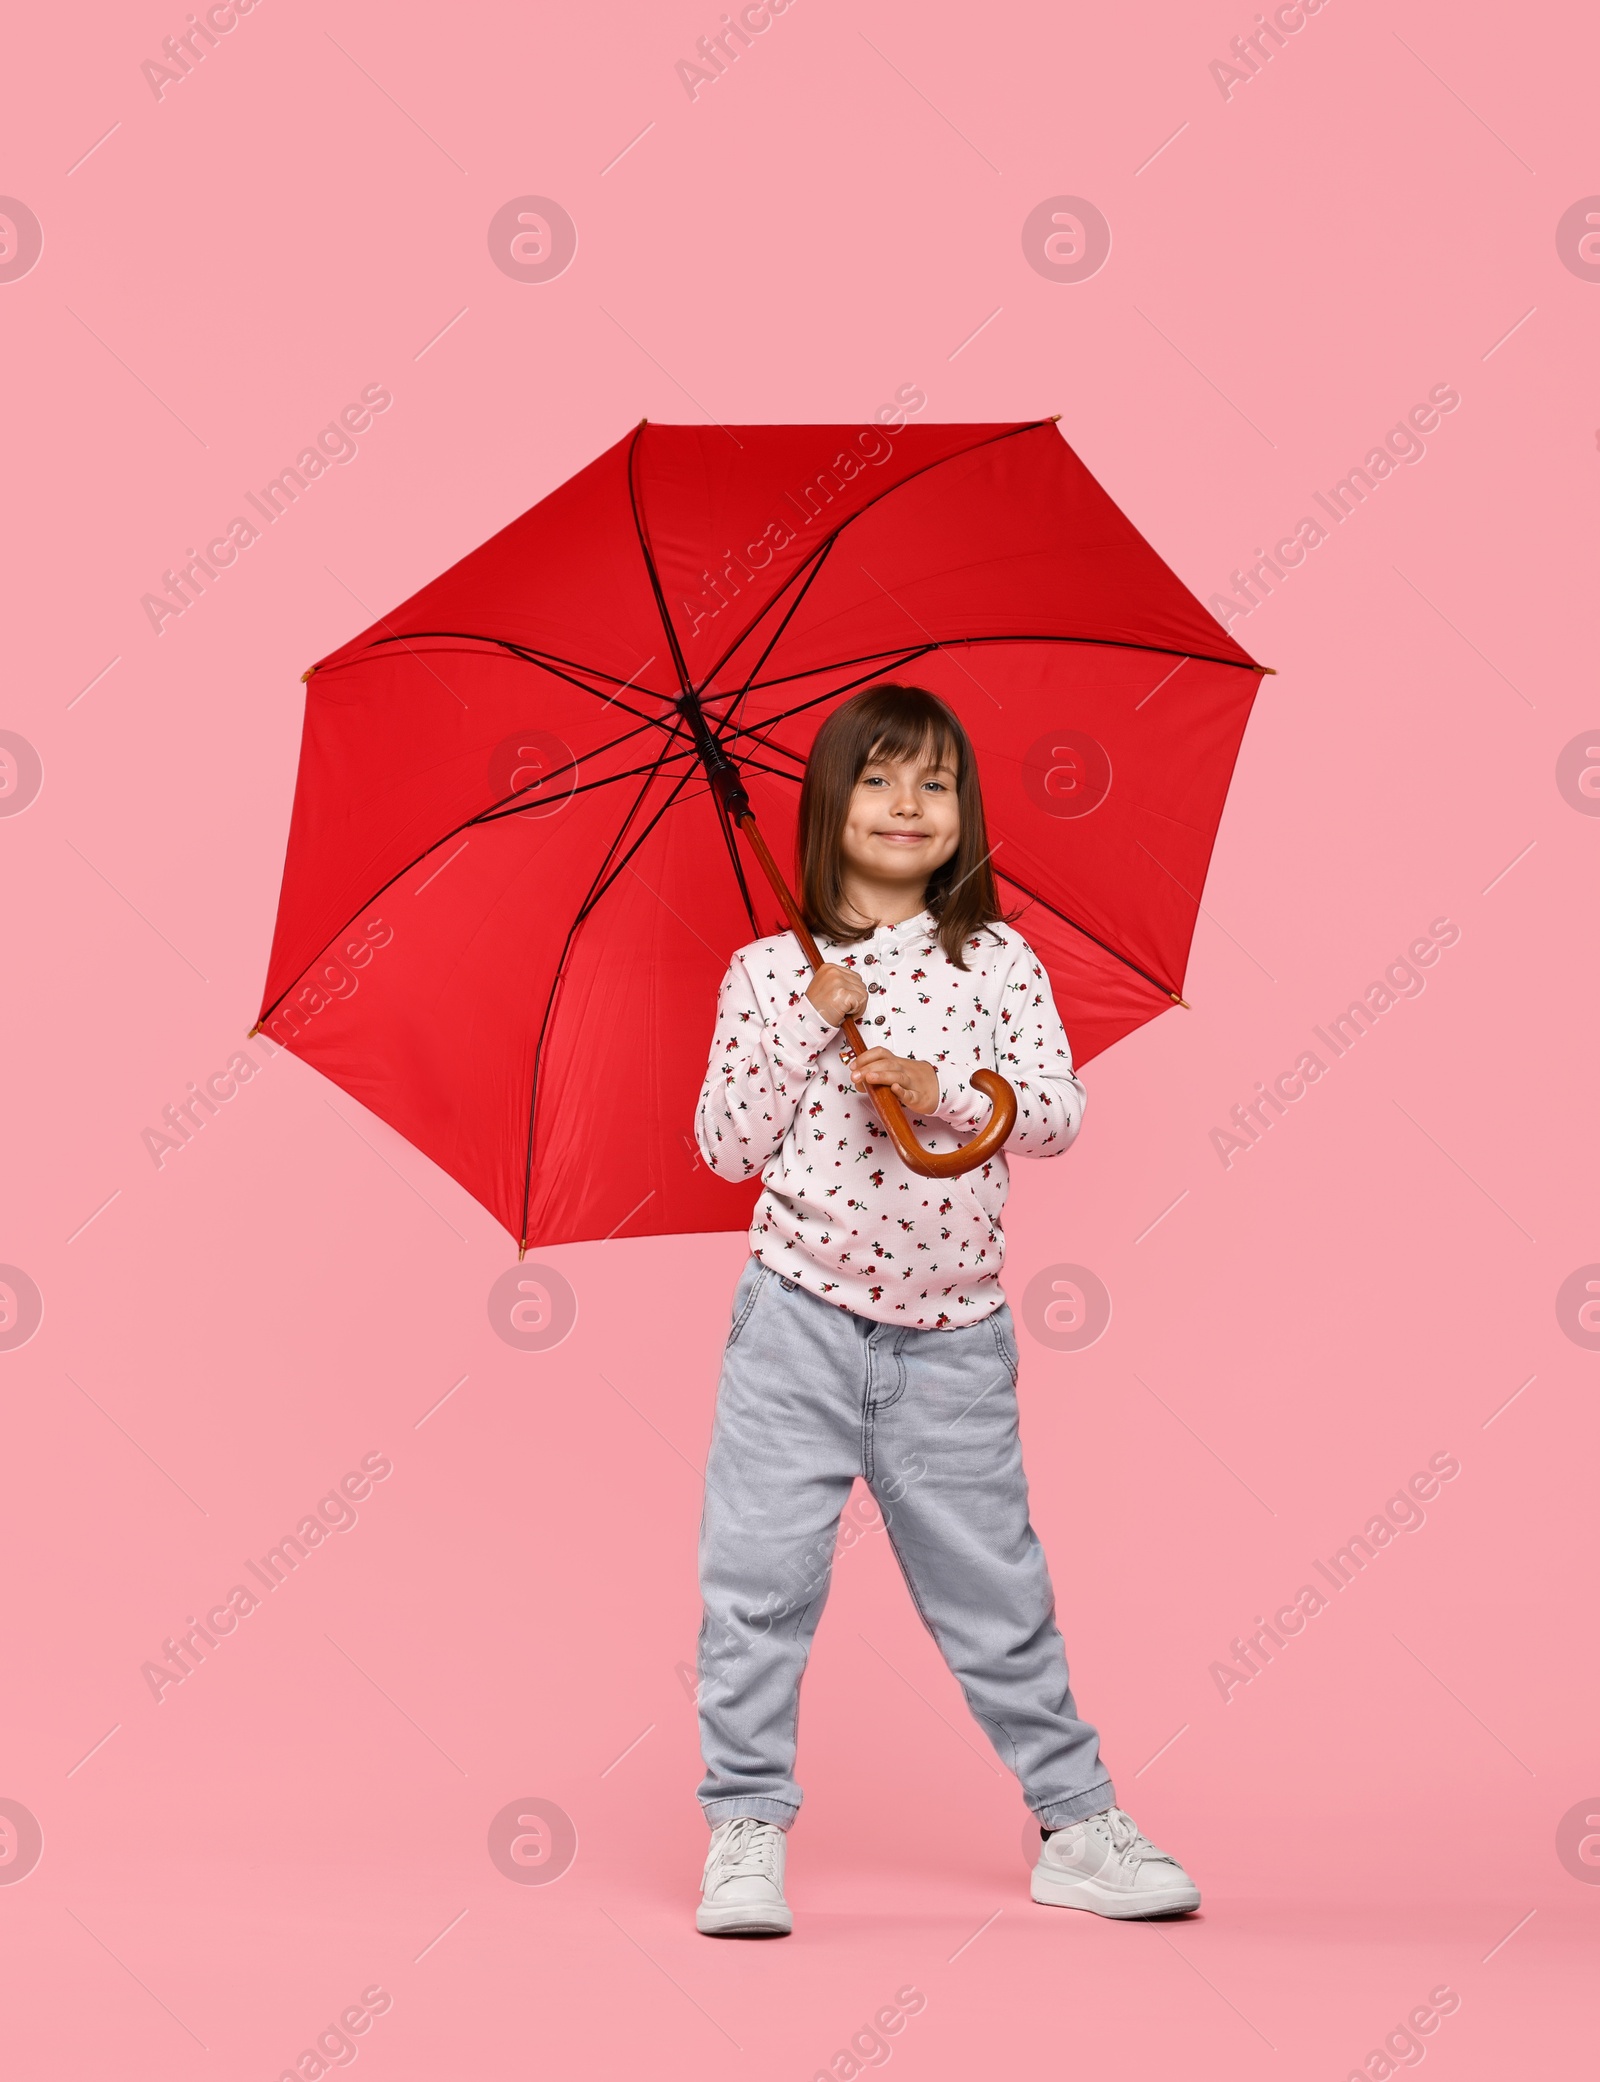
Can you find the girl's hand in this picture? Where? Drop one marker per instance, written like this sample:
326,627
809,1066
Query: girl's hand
838,994
915,1084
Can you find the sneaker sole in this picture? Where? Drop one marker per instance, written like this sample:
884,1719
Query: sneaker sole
745,1920
1051,1892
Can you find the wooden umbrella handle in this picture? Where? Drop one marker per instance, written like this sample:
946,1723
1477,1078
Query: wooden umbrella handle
927,1163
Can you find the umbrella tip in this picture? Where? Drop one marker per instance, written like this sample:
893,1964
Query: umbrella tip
253,1031
1055,418
522,1248
310,669
1268,668
1184,1002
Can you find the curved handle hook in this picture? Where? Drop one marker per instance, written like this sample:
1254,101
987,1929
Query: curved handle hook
926,1162
949,1163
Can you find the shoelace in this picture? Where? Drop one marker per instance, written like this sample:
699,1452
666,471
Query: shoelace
750,1849
1128,1840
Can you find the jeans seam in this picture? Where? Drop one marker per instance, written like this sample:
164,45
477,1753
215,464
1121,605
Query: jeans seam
897,1351
894,1548
1103,1795
983,1720
868,1409
748,1310
1006,1360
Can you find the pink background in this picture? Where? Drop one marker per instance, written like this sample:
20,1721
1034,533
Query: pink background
224,1337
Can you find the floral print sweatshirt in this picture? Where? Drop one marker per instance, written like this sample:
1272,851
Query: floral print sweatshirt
840,1214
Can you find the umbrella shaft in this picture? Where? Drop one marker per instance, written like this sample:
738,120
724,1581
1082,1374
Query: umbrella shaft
780,889
802,932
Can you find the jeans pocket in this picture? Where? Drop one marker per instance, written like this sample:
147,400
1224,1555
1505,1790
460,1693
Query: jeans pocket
1005,1341
746,1296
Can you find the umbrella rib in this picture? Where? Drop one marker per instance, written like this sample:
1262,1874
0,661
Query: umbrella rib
685,683
621,832
572,766
950,643
879,660
738,865
794,608
525,651
678,787
1066,918
751,730
509,808
528,657
827,542
749,764
566,948
650,564
1031,894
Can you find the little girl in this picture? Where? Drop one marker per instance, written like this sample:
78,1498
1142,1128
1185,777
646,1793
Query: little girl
870,1333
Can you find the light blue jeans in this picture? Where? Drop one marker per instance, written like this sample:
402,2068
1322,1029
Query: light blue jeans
811,1397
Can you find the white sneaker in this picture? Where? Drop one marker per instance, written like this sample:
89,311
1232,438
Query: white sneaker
1105,1865
742,1891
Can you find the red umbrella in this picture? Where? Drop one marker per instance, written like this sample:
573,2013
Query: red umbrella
513,883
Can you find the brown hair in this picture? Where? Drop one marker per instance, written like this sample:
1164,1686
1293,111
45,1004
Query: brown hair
892,722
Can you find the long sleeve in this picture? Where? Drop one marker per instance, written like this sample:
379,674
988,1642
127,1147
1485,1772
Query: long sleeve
1032,1053
838,1212
757,1075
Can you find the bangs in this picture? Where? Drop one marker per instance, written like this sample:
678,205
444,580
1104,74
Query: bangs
911,733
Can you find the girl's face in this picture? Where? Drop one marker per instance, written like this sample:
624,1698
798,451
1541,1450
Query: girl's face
903,821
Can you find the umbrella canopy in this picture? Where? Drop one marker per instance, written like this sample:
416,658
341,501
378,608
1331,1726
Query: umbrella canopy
510,892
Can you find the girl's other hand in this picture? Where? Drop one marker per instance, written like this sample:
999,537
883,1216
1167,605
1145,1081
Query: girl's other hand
838,994
915,1084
